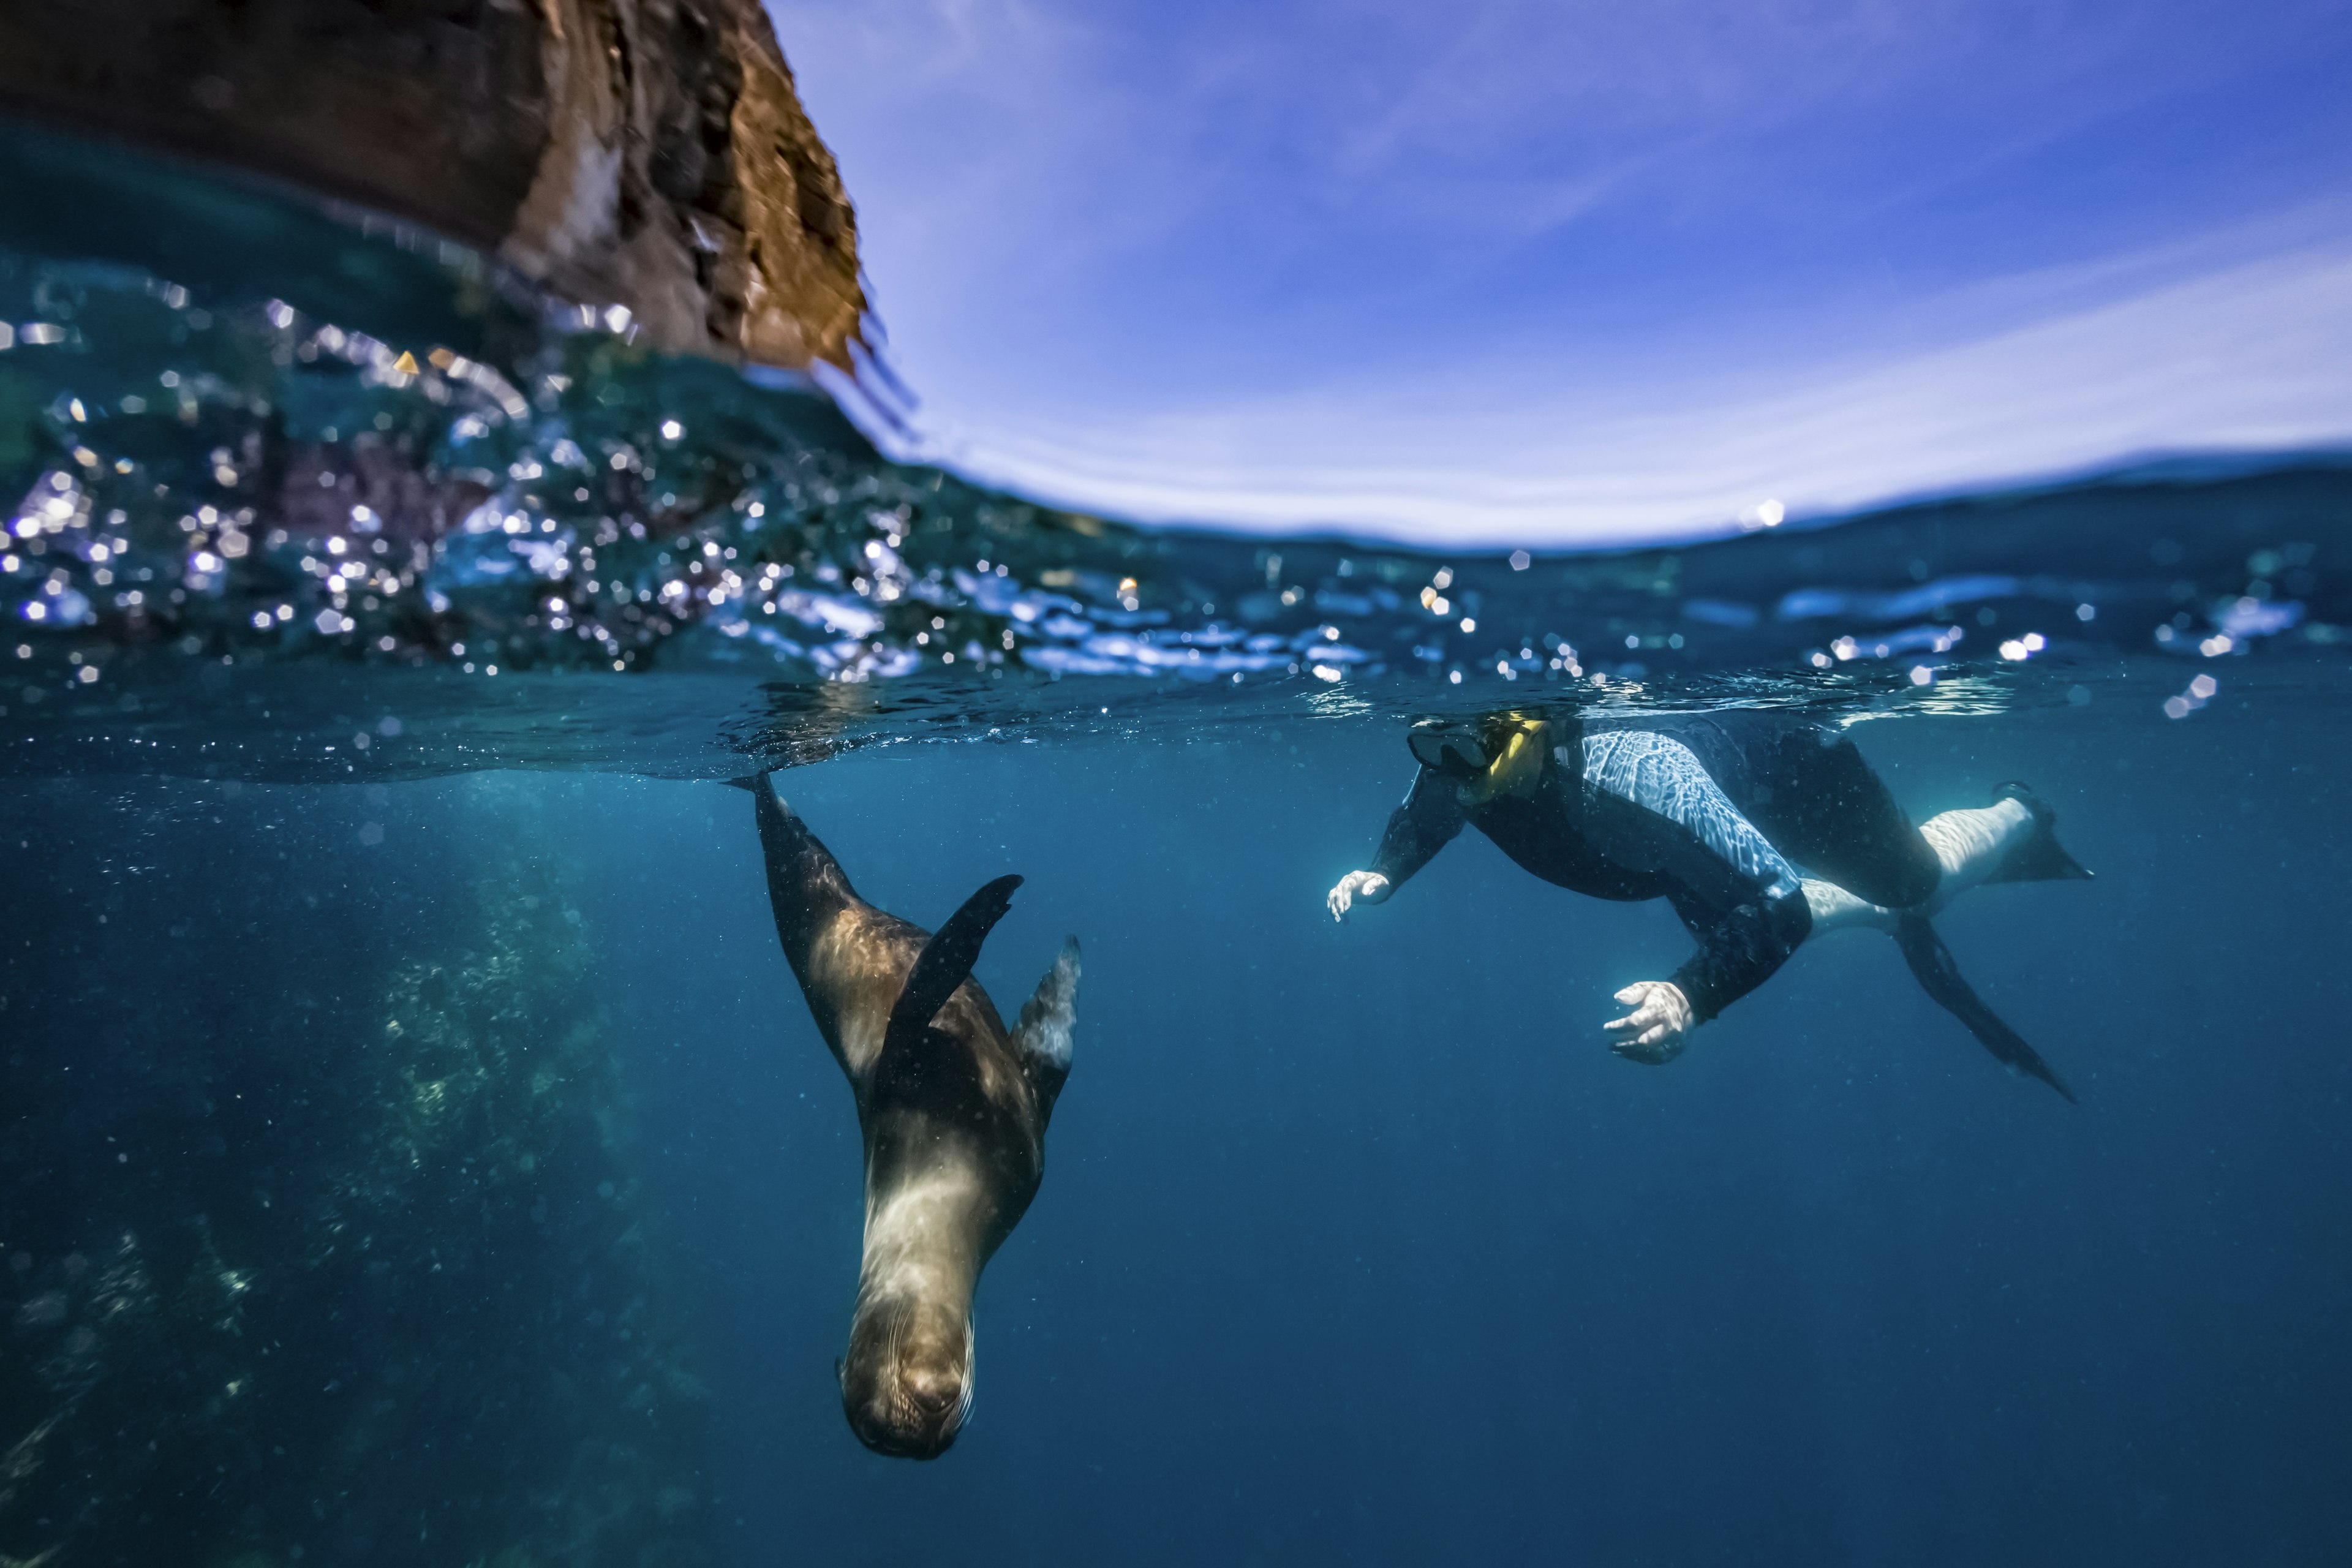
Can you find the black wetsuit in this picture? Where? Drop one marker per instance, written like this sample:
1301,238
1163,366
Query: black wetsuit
1706,811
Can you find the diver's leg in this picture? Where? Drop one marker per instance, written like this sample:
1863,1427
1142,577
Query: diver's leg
1971,846
1824,806
1834,909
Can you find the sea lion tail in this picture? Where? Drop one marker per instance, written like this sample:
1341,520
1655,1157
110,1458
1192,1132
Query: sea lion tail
946,960
1932,966
1048,1023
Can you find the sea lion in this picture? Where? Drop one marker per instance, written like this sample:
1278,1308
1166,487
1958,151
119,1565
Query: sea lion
953,1110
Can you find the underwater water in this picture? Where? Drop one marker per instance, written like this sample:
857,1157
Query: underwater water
417,1149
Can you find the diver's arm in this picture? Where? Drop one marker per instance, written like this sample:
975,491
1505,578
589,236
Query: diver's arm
1734,891
1428,820
1652,1031
1357,887
1739,950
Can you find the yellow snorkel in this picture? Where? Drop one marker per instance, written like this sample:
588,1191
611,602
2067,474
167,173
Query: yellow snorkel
1516,742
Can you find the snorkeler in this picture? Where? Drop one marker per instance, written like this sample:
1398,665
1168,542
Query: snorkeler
1713,813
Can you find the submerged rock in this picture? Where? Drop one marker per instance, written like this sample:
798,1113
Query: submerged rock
365,1225
646,154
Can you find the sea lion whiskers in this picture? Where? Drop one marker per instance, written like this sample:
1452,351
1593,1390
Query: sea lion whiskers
906,1384
971,1371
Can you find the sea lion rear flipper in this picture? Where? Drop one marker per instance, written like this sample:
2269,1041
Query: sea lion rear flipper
946,960
806,886
1932,966
1043,1038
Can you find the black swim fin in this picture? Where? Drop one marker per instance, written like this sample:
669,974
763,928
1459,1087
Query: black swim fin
1932,966
946,961
2039,859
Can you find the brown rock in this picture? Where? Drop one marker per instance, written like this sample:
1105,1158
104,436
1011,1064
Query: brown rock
650,154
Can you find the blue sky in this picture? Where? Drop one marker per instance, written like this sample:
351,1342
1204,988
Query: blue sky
1505,270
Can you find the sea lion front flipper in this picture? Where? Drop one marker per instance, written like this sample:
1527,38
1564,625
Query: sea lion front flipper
946,960
1049,1018
1932,966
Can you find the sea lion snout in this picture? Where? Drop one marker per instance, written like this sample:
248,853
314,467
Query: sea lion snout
906,1384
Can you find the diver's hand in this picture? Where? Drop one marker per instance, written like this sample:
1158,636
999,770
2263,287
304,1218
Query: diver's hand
1659,1025
1368,886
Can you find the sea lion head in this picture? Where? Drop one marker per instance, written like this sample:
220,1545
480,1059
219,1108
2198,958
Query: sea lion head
906,1384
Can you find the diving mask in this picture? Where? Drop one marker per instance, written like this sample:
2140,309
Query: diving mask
1449,746
1500,754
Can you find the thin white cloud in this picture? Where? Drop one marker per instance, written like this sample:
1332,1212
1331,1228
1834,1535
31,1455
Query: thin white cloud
2253,357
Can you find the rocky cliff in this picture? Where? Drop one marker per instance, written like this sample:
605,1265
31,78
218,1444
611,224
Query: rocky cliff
648,154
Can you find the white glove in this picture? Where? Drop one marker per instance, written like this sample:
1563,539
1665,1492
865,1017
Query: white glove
1659,1025
1369,886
